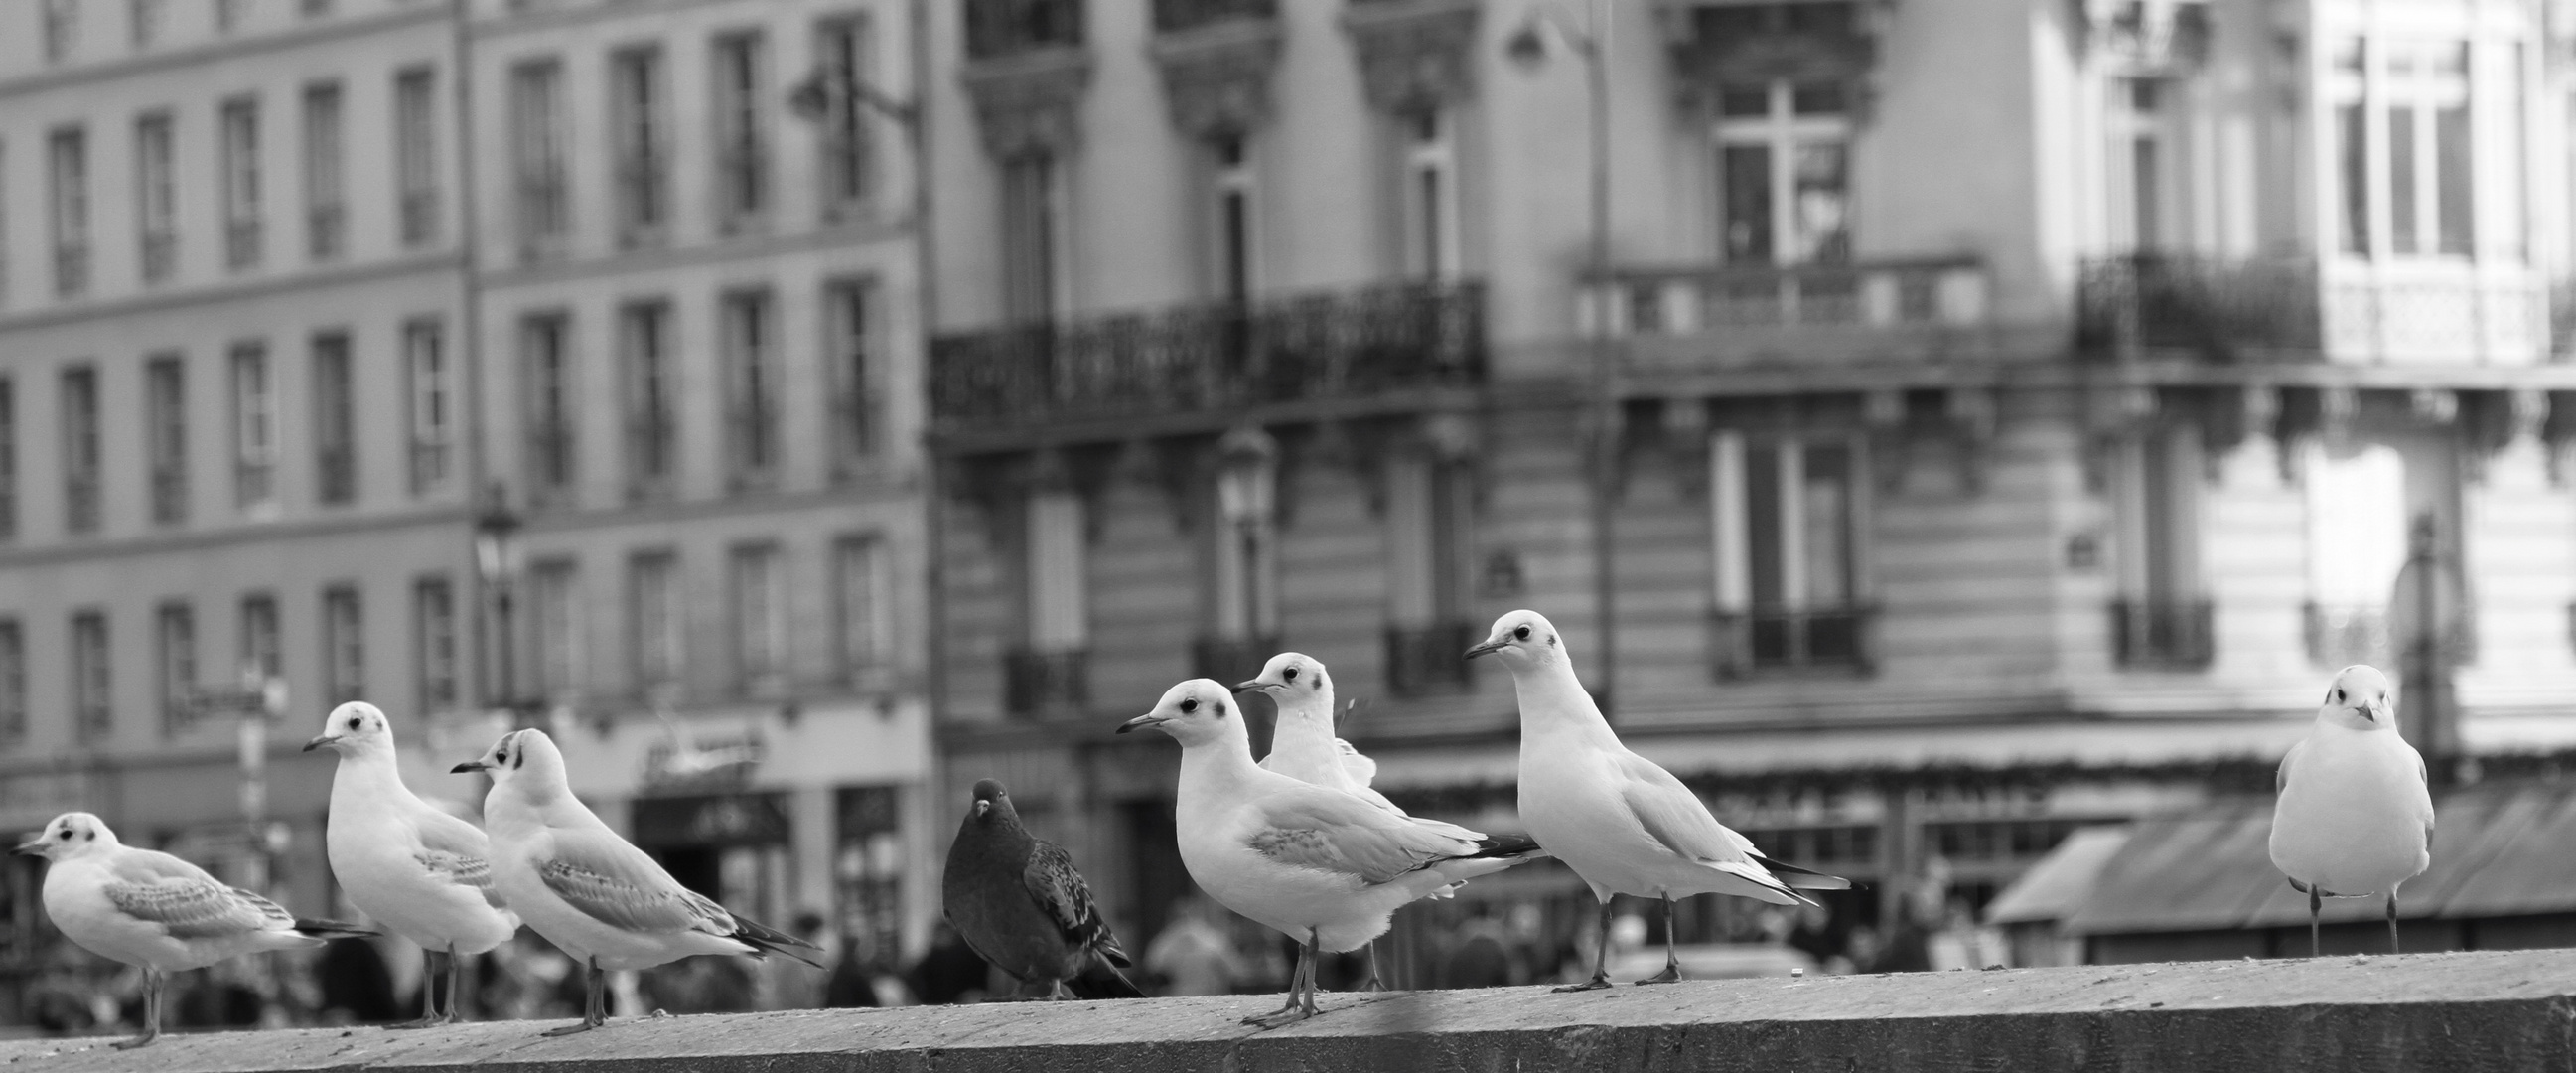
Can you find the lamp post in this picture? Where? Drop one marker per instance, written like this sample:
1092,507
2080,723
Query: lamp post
496,563
1247,496
1529,47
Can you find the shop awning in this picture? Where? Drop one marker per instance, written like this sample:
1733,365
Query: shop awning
2498,850
2059,883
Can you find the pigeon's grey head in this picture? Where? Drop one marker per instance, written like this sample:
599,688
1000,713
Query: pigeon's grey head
1291,676
1522,640
1196,712
353,728
70,835
991,799
524,760
2360,699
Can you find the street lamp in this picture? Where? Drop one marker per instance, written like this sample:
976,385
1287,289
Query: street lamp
1247,491
1541,32
496,562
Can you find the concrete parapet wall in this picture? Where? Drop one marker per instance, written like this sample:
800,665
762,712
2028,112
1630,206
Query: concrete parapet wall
2512,1010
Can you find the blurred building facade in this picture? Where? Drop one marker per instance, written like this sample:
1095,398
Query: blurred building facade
2015,411
498,363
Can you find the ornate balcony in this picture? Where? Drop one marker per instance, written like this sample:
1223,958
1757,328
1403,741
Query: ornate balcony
1046,683
1838,638
1231,659
1218,358
1429,659
2286,309
1700,317
2162,634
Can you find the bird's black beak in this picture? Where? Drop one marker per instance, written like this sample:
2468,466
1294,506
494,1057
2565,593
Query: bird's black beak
982,807
321,741
1148,719
32,847
1489,646
470,765
1250,684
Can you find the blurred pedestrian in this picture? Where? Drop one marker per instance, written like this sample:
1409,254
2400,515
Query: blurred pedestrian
853,982
950,972
787,984
1193,954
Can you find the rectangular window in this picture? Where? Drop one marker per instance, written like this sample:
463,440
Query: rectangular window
742,155
2415,101
8,458
1430,197
80,450
227,15
143,21
1233,191
434,631
654,611
751,365
240,163
177,641
652,428
851,335
13,682
557,618
638,123
335,438
62,29
1057,573
431,412
537,139
1428,505
759,621
1032,219
326,210
165,381
155,202
416,153
68,166
2451,177
1783,174
92,680
344,646
2401,181
546,357
863,604
841,46
1786,514
263,649
254,428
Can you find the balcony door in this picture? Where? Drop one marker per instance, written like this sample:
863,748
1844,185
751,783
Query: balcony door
1783,173
2364,499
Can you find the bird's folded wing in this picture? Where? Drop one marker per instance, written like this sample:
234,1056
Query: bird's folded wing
1060,891
197,908
1315,827
456,851
462,870
625,889
2281,777
1360,768
1674,816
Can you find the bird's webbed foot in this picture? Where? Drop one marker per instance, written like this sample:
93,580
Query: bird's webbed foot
1596,983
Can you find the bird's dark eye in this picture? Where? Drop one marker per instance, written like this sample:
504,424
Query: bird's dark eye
1290,674
1521,633
1189,706
65,836
354,721
2338,696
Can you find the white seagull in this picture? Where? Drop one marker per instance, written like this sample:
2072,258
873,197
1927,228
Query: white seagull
588,891
1302,744
157,912
1325,867
1621,821
420,873
2355,816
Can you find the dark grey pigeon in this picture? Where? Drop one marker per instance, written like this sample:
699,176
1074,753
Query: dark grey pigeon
1020,904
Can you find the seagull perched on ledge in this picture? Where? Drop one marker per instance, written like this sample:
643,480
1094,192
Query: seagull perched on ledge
2355,816
157,912
421,873
1325,867
590,892
1622,822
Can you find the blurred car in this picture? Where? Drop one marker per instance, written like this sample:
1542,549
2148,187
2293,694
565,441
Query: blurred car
1712,961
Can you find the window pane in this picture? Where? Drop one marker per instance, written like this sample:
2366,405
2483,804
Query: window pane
1747,175
2401,180
1817,98
1744,102
1821,220
2354,169
1762,524
1827,501
2453,180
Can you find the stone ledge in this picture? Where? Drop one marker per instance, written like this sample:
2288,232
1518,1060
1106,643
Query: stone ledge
2490,1010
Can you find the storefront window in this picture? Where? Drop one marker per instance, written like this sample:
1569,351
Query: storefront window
867,873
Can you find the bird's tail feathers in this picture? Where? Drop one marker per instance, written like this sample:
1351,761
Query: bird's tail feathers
331,929
1508,845
1103,980
1109,950
1803,879
1759,877
765,940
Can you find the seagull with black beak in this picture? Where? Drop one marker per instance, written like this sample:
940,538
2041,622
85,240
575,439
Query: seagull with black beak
2355,815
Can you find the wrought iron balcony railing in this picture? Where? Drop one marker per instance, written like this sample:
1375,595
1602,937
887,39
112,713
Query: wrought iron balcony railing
2226,310
997,28
1046,683
1838,637
1724,314
1218,356
1231,659
1174,16
2162,634
1429,659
